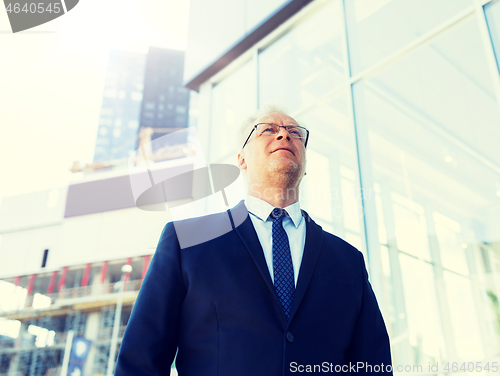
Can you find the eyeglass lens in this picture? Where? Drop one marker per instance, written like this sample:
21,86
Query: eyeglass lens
294,131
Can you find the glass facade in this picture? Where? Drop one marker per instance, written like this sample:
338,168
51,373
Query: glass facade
492,11
306,63
402,99
165,100
218,24
232,99
141,91
379,28
120,106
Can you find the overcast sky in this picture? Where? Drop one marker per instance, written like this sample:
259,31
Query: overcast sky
52,80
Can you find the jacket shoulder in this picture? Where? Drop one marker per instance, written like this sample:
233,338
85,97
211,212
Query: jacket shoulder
333,241
339,243
199,230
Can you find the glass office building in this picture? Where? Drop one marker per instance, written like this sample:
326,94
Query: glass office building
121,106
402,99
141,90
165,105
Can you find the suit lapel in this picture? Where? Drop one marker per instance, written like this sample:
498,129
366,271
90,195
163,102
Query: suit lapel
312,249
248,235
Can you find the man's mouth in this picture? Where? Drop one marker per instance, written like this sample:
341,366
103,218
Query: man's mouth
284,149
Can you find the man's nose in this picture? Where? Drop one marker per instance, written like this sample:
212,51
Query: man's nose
282,133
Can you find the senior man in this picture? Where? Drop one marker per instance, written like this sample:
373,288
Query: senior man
275,295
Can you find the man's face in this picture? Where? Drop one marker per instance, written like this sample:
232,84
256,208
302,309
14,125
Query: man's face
268,156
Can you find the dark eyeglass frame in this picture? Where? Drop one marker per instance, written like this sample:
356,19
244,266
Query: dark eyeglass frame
279,126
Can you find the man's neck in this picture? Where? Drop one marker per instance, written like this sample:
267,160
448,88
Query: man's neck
278,197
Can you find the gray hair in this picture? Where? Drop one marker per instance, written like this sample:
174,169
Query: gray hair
261,112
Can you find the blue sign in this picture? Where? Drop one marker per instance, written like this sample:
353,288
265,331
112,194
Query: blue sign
79,351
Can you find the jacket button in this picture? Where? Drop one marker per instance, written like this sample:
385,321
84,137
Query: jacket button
289,337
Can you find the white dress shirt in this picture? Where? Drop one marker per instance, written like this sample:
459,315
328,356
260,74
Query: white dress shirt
294,225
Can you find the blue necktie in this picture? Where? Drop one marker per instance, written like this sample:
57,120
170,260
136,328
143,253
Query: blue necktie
282,262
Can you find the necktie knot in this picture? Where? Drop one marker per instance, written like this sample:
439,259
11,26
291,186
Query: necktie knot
278,213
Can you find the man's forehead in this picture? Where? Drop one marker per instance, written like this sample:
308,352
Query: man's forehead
277,118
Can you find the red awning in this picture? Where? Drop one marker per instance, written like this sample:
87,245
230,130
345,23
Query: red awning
145,266
86,275
52,283
104,271
62,281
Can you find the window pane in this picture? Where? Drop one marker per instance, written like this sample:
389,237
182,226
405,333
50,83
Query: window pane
492,12
425,335
330,191
378,28
410,226
256,11
212,31
382,231
136,96
451,246
463,317
432,124
233,100
306,63
133,124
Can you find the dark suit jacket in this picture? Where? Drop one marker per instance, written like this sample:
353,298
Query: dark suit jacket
215,302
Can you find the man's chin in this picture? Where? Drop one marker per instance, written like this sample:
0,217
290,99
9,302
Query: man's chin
284,165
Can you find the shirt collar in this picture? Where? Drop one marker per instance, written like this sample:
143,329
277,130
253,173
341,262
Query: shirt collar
261,209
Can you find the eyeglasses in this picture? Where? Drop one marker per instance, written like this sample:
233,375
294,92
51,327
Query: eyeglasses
271,129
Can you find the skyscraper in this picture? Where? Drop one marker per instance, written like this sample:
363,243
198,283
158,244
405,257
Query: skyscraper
121,106
141,90
165,106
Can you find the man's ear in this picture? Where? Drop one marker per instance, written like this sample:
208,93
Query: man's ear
241,162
